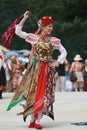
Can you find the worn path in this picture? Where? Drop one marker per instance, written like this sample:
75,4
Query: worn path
69,107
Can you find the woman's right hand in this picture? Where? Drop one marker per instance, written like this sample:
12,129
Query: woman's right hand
26,14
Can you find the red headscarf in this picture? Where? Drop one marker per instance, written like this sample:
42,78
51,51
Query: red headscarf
47,20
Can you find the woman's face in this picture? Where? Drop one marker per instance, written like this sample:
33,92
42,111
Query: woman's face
47,29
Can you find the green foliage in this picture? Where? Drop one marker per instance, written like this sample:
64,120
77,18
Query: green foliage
70,21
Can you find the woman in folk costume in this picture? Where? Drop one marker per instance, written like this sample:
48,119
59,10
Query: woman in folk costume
17,69
2,75
37,86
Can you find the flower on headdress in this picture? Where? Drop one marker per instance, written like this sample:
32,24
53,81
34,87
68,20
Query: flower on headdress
45,21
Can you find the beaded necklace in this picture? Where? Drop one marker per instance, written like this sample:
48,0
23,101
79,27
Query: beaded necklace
45,38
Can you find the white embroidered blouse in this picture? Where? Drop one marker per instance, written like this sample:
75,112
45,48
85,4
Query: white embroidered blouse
33,38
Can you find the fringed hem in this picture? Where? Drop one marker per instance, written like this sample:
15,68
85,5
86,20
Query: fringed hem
15,103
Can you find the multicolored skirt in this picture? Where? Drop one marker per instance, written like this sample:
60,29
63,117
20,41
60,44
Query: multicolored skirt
37,88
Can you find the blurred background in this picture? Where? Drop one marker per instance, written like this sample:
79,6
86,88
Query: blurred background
70,22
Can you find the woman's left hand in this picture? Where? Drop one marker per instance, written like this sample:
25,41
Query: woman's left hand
54,64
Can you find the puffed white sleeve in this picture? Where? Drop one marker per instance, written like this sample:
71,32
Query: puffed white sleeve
57,45
29,37
19,32
63,53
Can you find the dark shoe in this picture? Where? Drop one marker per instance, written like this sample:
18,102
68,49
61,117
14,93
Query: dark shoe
0,97
38,126
0,94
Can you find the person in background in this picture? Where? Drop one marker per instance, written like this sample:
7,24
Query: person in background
85,75
17,69
37,87
68,87
77,68
3,86
61,76
7,71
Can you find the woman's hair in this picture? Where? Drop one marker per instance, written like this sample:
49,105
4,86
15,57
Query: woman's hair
38,31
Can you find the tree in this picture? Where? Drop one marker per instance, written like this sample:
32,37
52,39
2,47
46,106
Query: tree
70,21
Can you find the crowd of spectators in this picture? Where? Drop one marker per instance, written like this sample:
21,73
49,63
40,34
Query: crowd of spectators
15,69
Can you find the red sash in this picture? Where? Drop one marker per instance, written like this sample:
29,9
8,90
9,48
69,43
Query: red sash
40,92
